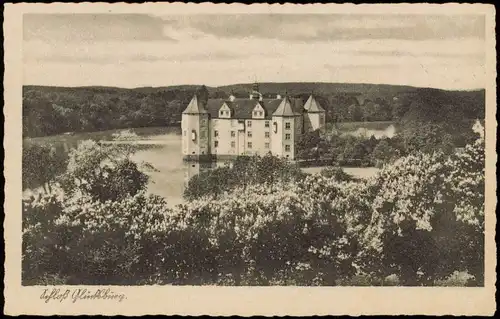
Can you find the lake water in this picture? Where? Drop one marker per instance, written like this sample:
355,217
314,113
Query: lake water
173,173
162,149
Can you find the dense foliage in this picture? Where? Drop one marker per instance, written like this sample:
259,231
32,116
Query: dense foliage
315,230
41,166
54,110
243,171
104,172
50,111
413,137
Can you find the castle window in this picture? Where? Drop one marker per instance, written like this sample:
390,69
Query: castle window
287,136
216,133
233,144
233,134
266,145
249,144
249,123
249,133
216,144
287,125
266,124
287,148
266,134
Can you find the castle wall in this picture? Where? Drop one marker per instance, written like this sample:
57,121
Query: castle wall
315,121
281,146
227,143
261,144
195,137
233,137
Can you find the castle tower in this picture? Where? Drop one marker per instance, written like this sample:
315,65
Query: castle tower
314,116
284,129
195,129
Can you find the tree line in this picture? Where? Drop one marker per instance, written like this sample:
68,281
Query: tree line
55,110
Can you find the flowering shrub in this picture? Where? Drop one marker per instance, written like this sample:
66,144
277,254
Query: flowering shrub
277,234
427,216
105,172
418,221
243,171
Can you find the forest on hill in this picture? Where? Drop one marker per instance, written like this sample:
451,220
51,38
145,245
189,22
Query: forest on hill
56,110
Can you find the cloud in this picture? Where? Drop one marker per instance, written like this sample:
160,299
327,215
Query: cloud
330,27
92,27
142,50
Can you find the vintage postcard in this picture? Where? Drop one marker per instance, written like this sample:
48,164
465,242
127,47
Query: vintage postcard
230,159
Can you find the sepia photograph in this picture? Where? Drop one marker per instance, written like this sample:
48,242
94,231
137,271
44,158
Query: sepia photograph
252,149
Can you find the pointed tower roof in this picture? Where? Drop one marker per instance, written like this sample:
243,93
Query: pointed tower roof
312,106
195,107
285,108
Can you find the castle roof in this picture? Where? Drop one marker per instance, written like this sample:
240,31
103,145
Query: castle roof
194,107
285,108
312,106
242,108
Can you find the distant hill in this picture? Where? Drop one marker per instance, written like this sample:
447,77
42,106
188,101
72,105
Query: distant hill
54,110
320,88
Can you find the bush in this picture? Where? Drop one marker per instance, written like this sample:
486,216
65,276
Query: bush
420,220
336,173
41,165
244,171
428,216
105,172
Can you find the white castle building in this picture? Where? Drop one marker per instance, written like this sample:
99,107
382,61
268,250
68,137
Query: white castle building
235,127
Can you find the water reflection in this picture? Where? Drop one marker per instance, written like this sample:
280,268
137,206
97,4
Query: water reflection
163,152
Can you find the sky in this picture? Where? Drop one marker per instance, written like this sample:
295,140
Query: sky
136,50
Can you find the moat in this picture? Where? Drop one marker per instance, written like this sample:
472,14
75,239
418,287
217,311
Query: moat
161,147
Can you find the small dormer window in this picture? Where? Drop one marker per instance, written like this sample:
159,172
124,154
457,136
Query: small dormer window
224,111
258,111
